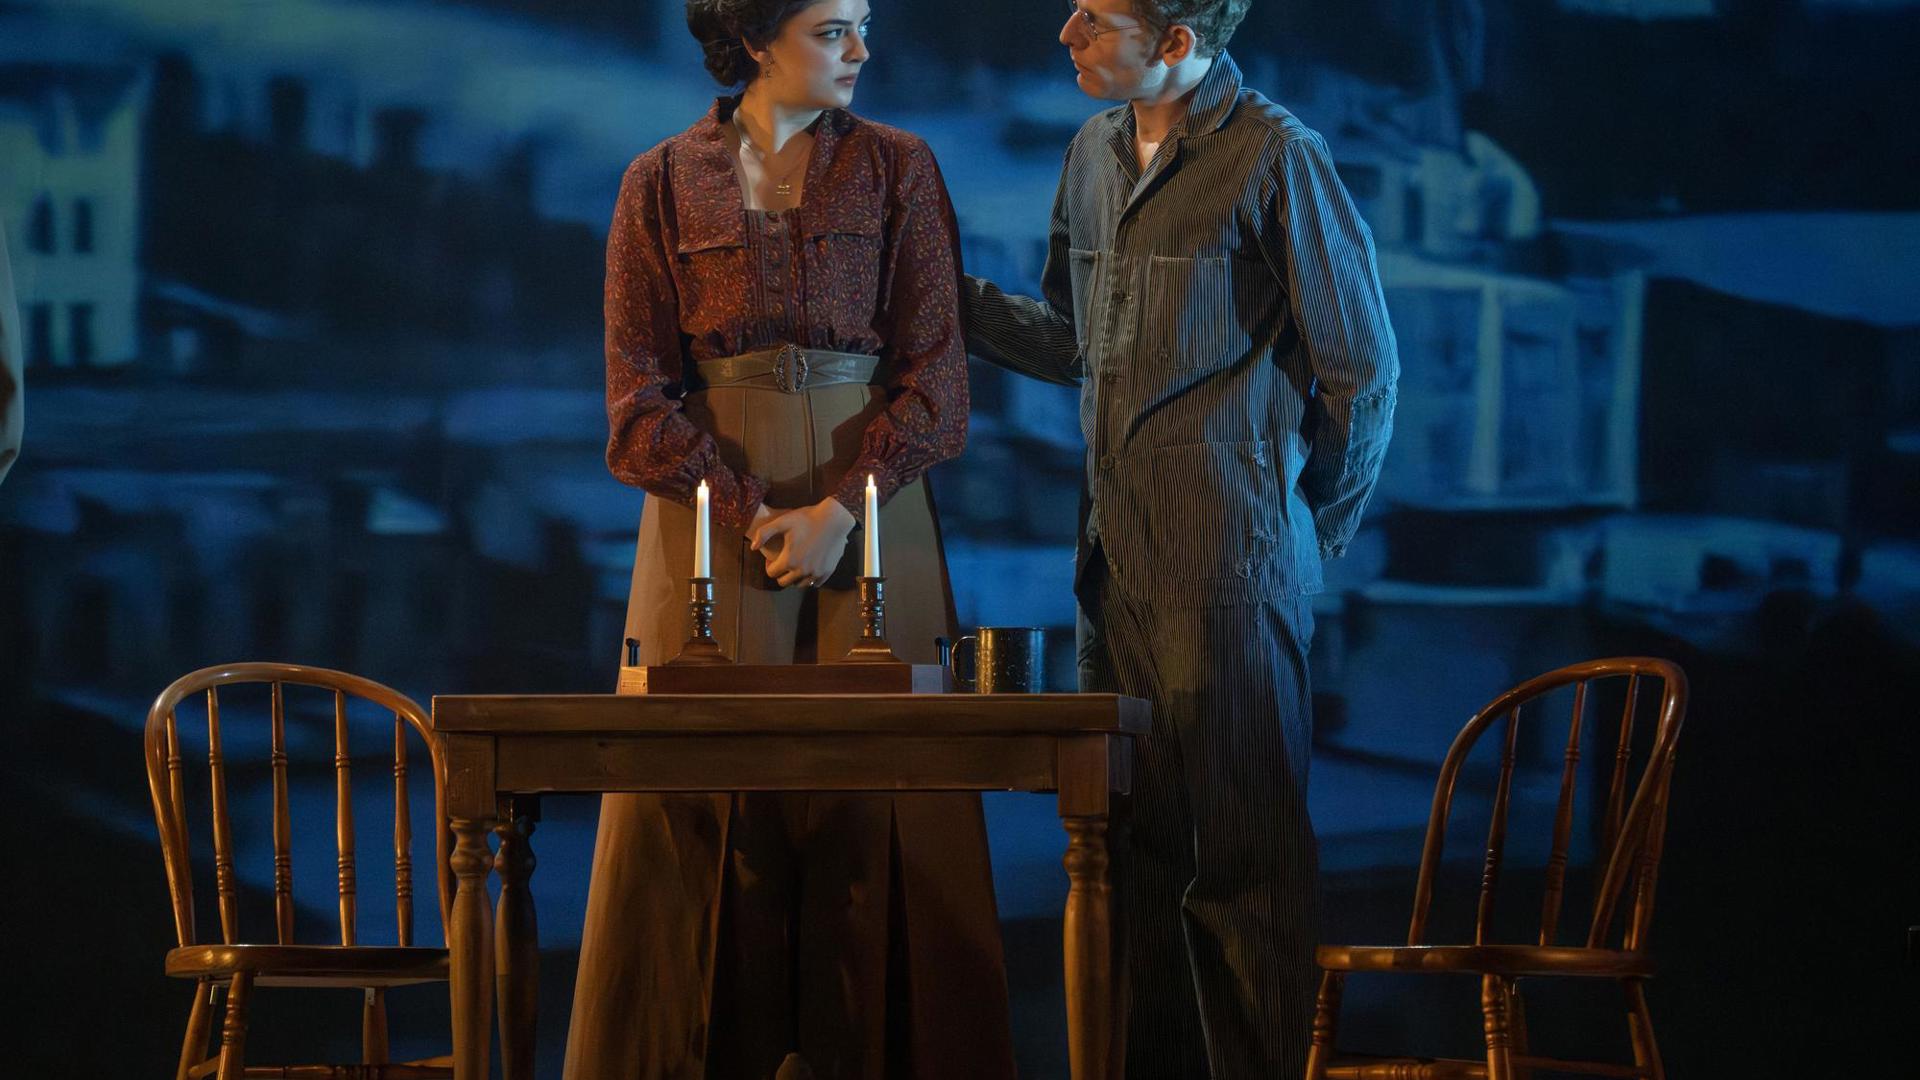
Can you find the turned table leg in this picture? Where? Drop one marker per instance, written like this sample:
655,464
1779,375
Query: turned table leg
466,764
1089,932
517,944
1091,770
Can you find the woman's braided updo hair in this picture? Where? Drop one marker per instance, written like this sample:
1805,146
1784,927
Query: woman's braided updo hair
722,27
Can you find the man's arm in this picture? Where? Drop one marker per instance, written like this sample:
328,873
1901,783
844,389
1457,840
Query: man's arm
12,411
1317,242
1031,336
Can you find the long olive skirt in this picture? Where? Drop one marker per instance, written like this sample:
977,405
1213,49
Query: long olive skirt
740,935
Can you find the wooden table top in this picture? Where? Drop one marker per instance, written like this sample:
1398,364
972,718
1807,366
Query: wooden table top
791,714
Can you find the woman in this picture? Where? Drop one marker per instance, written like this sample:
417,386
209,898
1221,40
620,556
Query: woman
755,935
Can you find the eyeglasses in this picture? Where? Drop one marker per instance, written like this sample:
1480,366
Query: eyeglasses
1089,22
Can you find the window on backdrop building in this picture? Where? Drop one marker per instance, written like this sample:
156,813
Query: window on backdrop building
80,333
83,226
39,335
40,227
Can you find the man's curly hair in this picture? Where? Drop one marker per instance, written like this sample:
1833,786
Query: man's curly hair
1214,21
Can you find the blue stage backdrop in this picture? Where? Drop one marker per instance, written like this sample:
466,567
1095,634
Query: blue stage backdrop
310,298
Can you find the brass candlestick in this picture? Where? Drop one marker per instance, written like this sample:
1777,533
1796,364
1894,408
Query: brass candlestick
872,648
701,648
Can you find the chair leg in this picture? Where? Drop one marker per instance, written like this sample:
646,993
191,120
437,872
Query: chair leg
1517,1008
373,1028
233,1034
1326,1020
1494,1003
1646,1052
193,1049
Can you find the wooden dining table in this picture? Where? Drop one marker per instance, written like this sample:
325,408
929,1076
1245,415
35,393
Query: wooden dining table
501,753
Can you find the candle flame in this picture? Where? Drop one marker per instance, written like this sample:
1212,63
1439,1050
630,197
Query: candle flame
870,484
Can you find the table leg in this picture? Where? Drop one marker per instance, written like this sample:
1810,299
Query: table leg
1089,950
517,944
1094,774
469,948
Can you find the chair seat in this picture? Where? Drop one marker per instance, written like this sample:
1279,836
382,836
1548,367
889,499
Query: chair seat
311,965
440,1068
1369,1067
1507,960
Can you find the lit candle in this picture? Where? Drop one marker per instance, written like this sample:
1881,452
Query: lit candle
872,562
702,535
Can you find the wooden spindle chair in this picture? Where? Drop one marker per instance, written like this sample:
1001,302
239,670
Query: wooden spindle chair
233,968
1632,824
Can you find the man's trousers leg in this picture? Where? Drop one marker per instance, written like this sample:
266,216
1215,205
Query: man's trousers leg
1221,883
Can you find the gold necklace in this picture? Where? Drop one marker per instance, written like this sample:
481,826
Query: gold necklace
783,186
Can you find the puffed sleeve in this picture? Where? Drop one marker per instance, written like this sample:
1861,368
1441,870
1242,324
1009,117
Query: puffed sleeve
925,421
650,442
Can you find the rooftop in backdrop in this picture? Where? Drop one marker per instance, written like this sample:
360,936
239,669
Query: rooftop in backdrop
1831,263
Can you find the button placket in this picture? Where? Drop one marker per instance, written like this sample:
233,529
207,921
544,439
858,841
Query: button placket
773,269
1118,323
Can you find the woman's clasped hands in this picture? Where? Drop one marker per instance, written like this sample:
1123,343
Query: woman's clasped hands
803,545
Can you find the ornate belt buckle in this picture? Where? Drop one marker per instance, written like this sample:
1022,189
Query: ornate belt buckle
791,369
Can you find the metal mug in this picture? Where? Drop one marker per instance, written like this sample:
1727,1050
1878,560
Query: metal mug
1007,660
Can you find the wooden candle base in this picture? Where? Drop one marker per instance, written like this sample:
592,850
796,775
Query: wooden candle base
872,648
701,648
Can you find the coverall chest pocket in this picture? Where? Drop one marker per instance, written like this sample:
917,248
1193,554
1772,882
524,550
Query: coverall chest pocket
1190,323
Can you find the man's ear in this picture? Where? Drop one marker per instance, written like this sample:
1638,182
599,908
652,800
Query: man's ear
1178,43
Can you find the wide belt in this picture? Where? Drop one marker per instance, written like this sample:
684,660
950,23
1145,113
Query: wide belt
789,369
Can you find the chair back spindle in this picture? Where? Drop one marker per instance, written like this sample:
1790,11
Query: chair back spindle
1648,866
1496,833
1622,752
1563,821
282,823
402,836
176,766
343,820
226,889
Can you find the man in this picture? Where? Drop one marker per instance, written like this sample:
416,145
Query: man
12,402
1212,290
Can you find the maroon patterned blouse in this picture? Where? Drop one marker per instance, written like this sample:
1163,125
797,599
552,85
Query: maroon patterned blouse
868,263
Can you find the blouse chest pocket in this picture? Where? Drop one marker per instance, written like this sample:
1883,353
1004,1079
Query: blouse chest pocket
709,272
844,237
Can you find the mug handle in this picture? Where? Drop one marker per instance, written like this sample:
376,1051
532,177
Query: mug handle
966,682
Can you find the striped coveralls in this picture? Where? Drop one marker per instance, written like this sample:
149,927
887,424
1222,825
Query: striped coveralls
1223,316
